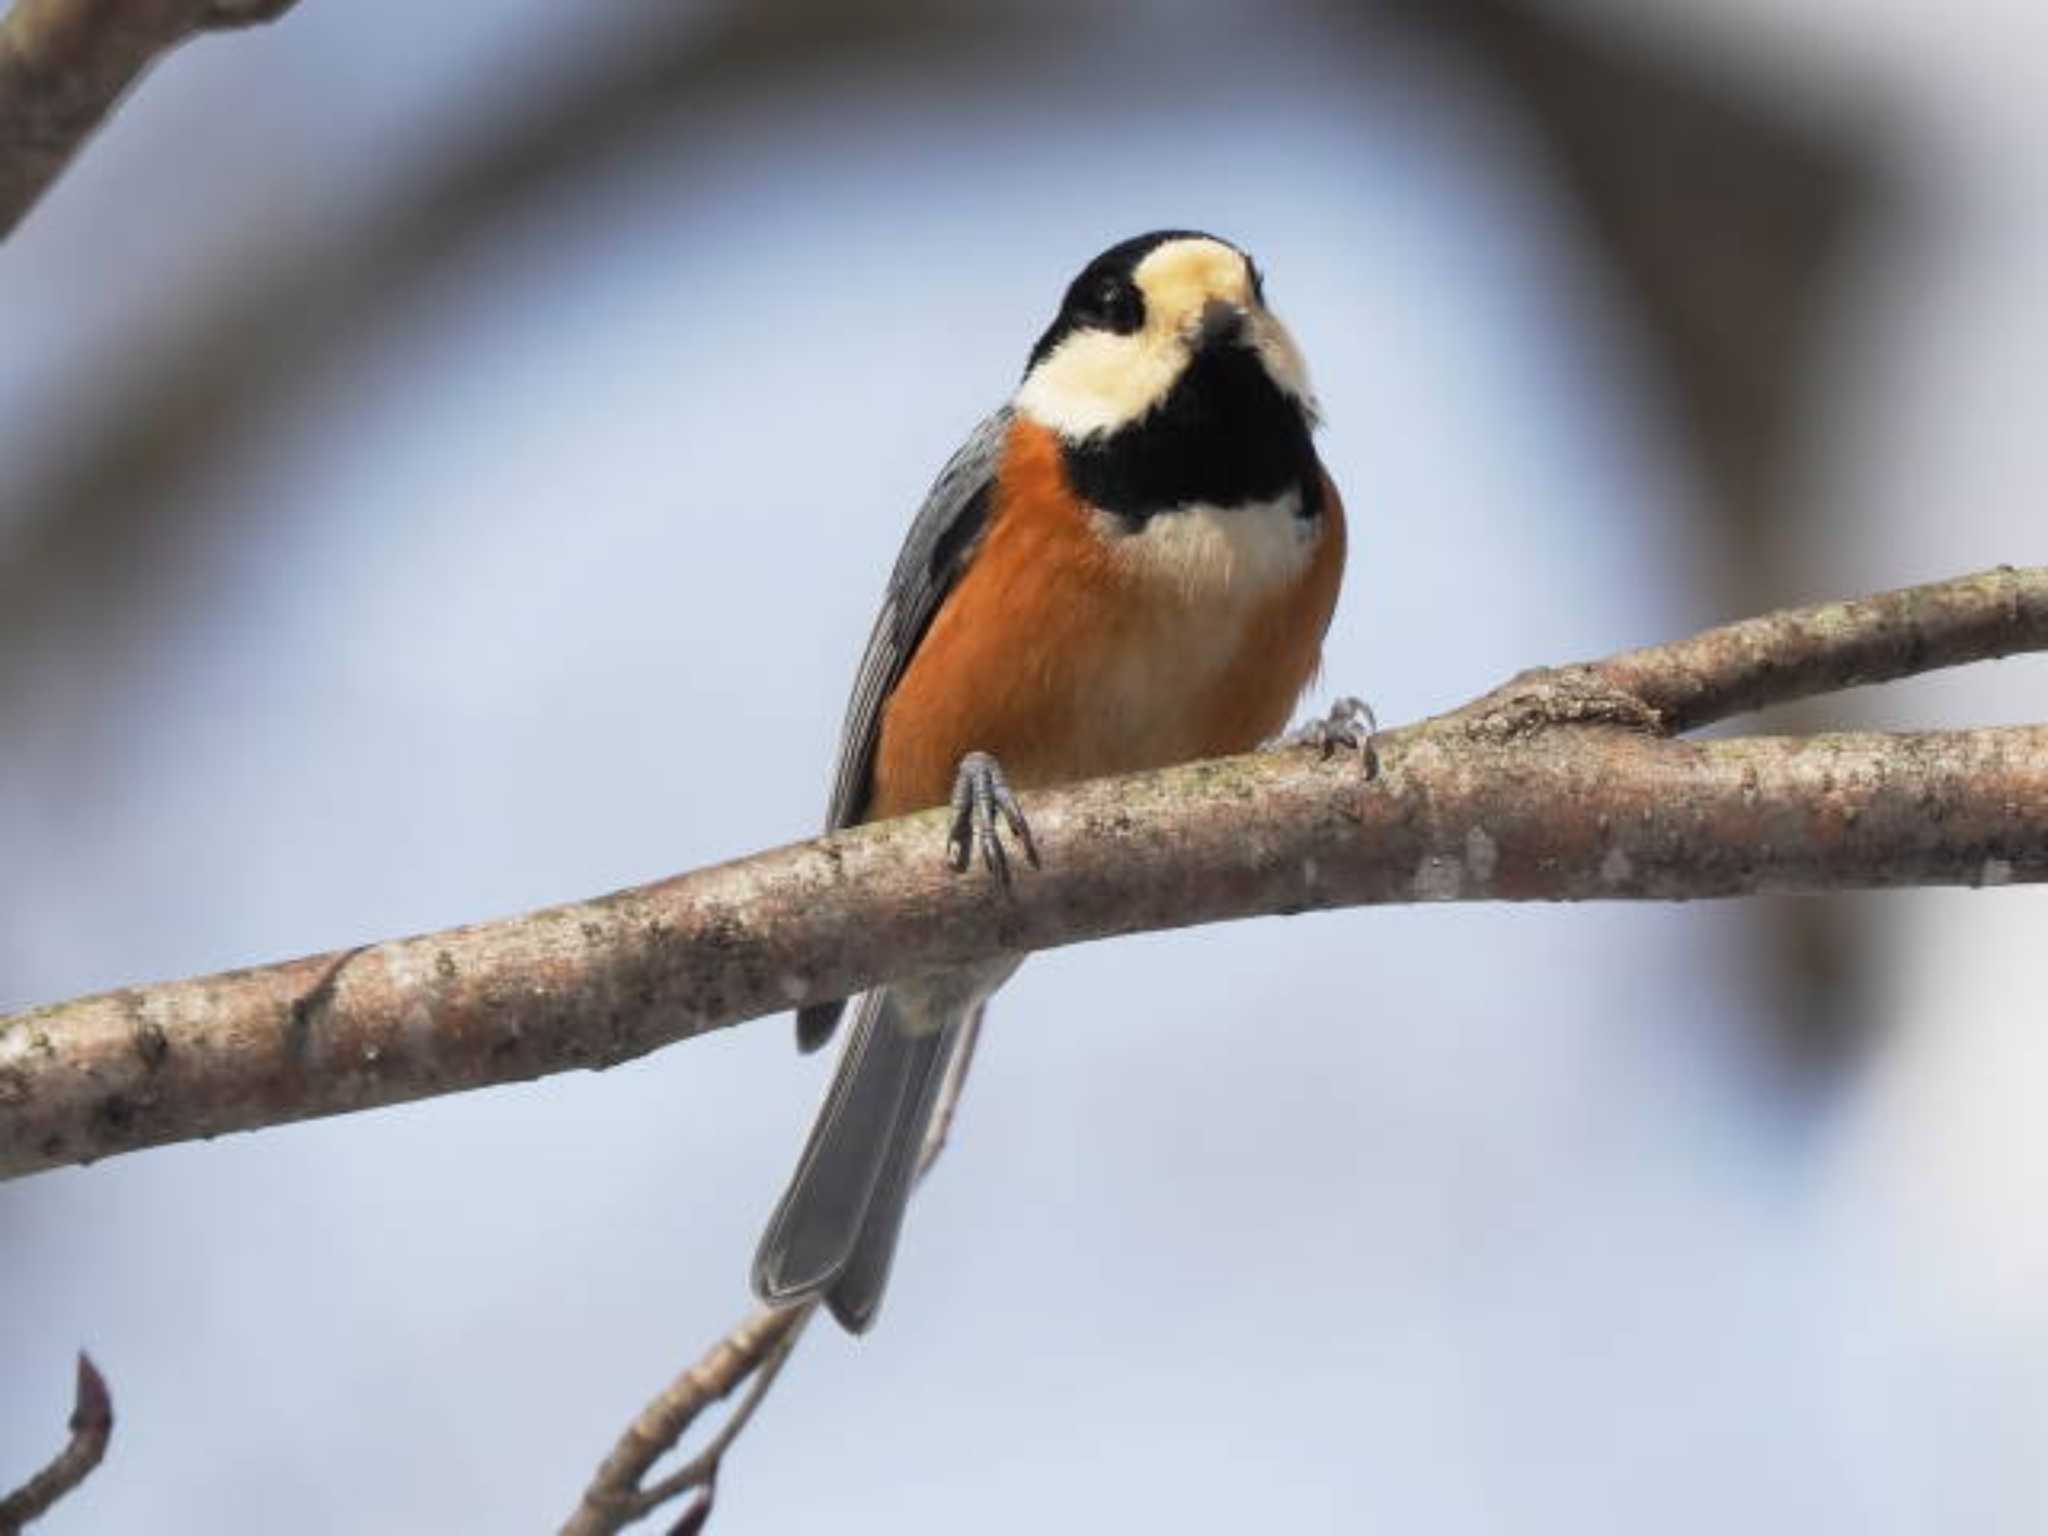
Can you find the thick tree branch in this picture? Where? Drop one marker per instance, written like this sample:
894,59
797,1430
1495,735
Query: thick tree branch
65,63
1555,787
92,1425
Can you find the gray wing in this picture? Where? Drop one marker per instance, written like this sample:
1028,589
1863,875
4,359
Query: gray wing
943,536
948,525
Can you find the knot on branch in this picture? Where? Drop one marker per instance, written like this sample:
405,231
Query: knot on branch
1544,698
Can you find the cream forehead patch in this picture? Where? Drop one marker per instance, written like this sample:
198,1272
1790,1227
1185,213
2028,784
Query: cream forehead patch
1099,381
1181,276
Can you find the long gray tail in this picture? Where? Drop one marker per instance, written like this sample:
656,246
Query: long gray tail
834,1233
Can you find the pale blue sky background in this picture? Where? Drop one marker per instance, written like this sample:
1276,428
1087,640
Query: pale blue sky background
1453,1220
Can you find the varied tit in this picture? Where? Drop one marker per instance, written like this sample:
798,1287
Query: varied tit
1131,564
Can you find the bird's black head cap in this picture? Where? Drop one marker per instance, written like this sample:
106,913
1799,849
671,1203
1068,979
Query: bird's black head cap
1105,296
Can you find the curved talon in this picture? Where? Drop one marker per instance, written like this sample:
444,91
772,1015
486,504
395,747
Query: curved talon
981,792
1350,724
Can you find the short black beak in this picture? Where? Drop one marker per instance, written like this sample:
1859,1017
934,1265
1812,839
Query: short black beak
1222,324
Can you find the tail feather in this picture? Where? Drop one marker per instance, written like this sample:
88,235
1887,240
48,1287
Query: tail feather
856,1295
844,1205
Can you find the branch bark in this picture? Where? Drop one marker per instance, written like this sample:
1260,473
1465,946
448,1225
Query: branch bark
65,63
1560,786
92,1425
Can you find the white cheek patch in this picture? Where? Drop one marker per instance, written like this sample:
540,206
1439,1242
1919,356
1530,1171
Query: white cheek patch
1222,560
1098,381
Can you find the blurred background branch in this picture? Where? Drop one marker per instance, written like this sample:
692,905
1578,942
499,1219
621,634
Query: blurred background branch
102,515
1725,212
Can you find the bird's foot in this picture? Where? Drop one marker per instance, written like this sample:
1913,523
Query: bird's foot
980,794
1349,726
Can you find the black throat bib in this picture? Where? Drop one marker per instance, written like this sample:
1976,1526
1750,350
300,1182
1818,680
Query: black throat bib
1224,435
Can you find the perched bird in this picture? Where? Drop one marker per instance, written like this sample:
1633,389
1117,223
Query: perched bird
1131,564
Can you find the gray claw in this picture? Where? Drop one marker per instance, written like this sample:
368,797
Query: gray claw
981,793
1349,725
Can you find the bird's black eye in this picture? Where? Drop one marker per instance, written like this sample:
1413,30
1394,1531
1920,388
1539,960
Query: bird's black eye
1107,301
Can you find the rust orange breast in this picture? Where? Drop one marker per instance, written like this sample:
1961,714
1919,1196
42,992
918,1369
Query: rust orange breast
1068,657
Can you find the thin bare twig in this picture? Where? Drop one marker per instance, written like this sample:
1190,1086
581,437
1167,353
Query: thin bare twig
755,1350
614,1498
1558,786
92,1424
